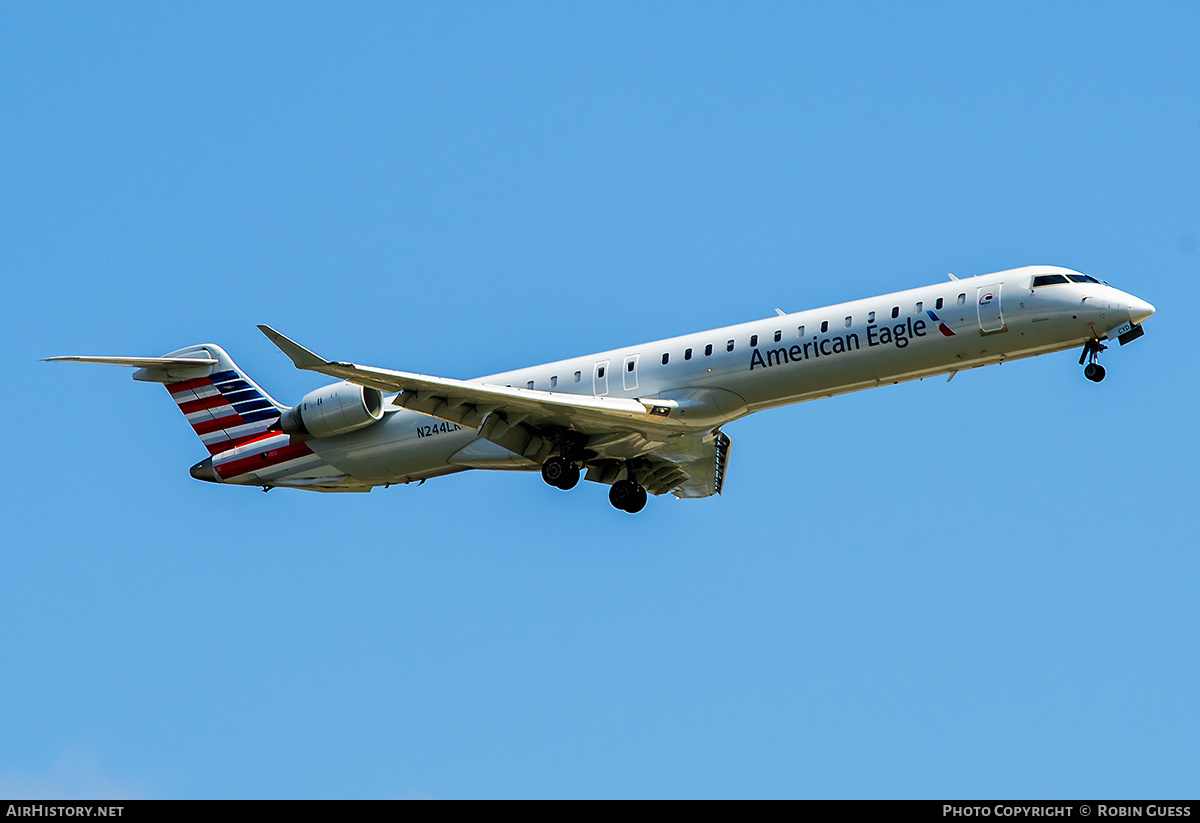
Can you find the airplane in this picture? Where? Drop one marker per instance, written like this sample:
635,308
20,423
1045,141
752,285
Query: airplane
644,419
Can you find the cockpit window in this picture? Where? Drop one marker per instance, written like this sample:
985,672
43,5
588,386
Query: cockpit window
1082,278
1048,280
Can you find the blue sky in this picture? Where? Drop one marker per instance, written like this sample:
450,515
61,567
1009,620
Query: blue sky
981,588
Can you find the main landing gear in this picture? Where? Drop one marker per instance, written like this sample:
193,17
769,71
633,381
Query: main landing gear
563,473
1091,351
627,496
560,472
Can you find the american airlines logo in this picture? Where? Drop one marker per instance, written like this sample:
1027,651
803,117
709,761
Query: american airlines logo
899,335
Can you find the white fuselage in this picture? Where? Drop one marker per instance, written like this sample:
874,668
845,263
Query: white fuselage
717,376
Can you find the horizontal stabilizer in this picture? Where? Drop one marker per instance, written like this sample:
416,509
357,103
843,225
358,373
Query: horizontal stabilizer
136,362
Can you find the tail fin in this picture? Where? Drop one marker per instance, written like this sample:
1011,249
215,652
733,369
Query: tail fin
233,417
223,405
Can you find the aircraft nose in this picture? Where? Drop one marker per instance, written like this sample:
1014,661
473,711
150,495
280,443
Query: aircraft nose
1139,310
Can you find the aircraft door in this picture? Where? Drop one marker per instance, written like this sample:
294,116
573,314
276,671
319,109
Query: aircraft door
991,318
629,375
600,378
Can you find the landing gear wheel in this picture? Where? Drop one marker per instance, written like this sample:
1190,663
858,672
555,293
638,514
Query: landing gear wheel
560,473
1091,350
638,503
627,496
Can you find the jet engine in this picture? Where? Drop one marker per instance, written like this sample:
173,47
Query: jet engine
334,409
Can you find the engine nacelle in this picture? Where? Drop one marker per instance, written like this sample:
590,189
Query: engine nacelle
334,409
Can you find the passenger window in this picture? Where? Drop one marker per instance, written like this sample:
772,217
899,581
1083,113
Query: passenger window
895,312
799,331
666,357
578,376
600,372
824,326
847,322
778,335
708,350
919,304
529,385
553,381
629,366
938,304
729,346
753,340
870,317
687,354
962,298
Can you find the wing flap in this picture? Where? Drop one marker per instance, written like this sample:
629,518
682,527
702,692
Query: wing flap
700,471
688,466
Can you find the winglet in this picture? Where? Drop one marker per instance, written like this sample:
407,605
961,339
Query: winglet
302,357
951,275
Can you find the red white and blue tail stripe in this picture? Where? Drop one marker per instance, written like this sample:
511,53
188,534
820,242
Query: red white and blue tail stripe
234,417
226,408
270,458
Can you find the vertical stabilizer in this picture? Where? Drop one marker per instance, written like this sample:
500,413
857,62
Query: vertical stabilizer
224,407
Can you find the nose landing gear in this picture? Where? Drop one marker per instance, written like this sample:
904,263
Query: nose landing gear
1091,351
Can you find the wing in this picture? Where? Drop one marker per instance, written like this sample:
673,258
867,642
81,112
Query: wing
532,423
